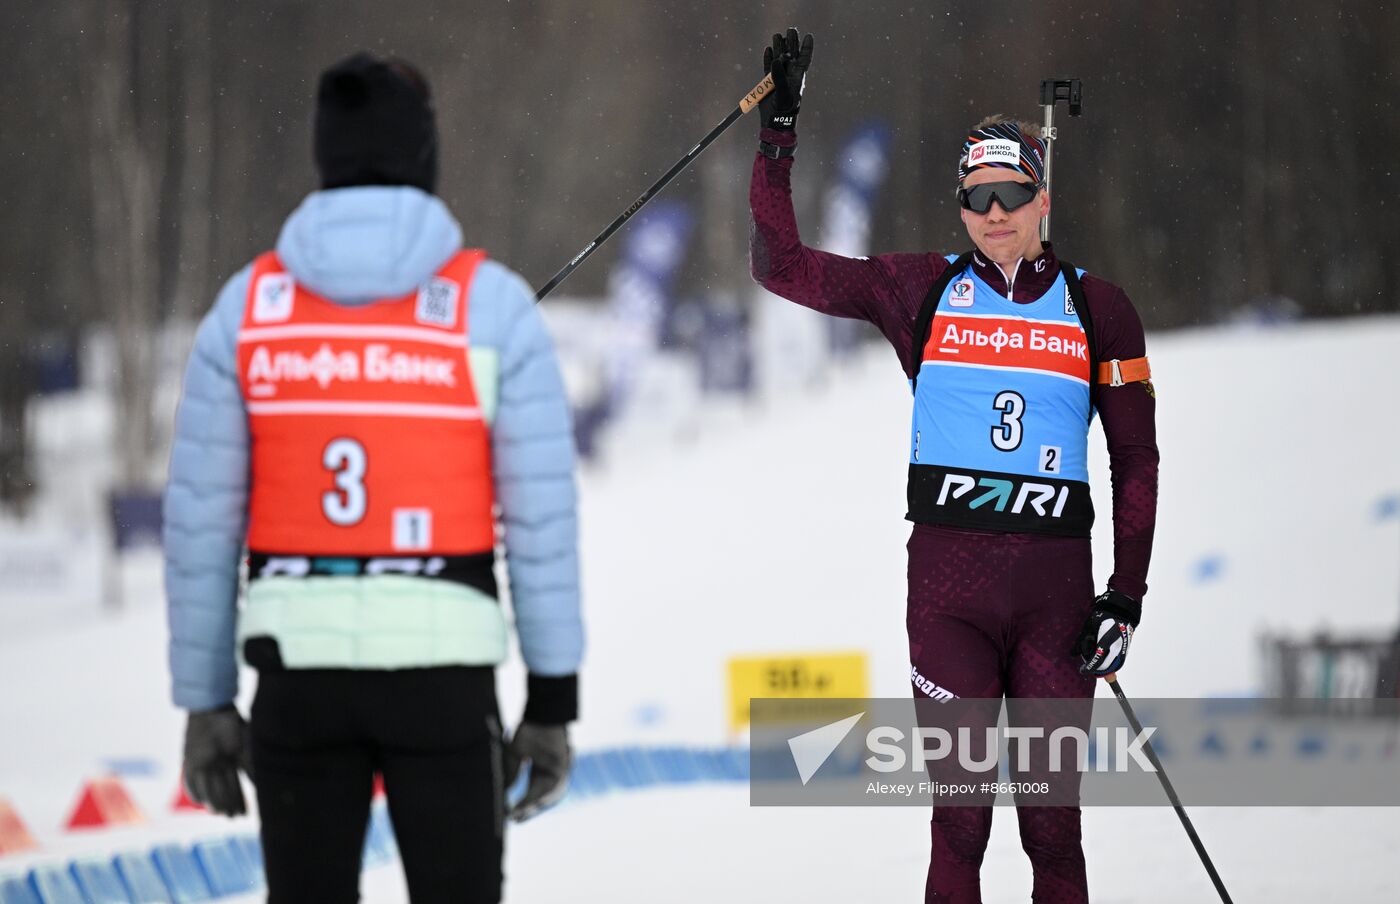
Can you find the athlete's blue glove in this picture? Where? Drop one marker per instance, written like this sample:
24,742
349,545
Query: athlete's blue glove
1104,639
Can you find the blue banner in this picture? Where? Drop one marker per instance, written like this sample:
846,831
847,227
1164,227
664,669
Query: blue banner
640,292
850,202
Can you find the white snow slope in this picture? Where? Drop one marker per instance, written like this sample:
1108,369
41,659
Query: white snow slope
777,529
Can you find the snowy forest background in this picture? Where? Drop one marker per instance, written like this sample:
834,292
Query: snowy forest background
1233,170
1231,156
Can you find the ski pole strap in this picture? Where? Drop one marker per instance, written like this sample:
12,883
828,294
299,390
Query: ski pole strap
775,152
926,312
1081,310
1117,371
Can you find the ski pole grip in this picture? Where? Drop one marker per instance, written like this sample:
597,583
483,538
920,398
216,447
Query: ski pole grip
759,92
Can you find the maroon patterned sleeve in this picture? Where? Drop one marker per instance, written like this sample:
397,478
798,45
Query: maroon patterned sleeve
1129,424
885,290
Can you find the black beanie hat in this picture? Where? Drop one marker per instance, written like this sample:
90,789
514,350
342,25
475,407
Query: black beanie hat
375,125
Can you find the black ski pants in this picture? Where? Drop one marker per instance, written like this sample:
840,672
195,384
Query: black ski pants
318,738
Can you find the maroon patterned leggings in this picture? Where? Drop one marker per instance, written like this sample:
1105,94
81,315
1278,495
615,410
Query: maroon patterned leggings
991,615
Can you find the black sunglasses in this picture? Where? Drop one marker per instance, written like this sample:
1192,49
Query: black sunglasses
1010,195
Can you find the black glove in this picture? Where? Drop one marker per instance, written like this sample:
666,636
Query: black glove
788,60
1103,641
546,747
216,747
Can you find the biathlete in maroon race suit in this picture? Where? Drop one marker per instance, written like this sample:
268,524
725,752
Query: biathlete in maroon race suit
1010,353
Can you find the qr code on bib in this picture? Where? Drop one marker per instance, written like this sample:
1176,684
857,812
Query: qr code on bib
437,302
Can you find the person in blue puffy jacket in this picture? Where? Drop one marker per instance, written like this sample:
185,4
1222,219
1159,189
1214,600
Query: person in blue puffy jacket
368,413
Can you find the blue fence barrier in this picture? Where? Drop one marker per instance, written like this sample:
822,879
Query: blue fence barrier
55,885
250,846
636,768
224,867
182,875
143,883
17,890
99,883
217,868
379,839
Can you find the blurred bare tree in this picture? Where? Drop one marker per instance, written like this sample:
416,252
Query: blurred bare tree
1228,152
187,239
128,116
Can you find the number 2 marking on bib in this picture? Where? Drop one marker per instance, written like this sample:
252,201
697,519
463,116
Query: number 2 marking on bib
1007,436
345,505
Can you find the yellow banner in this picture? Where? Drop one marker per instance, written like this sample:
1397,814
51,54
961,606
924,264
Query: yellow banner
793,676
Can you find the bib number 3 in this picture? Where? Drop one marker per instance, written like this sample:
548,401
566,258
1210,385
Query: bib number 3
345,505
1007,436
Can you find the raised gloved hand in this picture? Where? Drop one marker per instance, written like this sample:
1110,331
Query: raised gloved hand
216,748
788,60
1104,639
546,748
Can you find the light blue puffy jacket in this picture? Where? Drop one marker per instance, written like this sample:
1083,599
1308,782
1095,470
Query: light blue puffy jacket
355,245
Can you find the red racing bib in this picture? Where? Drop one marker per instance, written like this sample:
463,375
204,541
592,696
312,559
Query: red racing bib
367,435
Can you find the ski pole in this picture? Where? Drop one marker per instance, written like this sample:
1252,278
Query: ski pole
747,103
1052,91
1112,679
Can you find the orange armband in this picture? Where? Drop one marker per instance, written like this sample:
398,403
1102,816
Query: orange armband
1118,372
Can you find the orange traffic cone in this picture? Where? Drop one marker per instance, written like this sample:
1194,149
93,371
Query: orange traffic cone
183,803
104,802
14,837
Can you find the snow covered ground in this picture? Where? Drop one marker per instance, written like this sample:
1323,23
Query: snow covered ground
776,529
